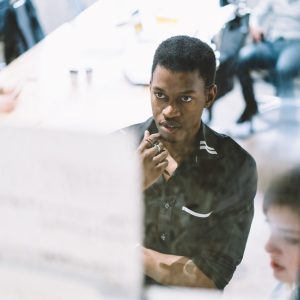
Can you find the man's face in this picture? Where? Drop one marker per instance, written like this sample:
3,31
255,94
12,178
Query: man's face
177,100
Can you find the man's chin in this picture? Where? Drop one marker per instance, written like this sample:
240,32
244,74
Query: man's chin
167,138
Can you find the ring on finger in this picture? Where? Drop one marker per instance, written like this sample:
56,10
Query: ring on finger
158,148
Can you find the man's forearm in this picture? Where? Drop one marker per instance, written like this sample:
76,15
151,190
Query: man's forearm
174,270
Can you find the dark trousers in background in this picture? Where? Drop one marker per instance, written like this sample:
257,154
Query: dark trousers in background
281,58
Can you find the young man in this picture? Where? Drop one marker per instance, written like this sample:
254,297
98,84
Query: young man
199,185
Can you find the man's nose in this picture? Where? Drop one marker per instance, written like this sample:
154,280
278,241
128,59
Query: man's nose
272,246
171,111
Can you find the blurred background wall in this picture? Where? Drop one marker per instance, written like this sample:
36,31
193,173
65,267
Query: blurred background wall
53,13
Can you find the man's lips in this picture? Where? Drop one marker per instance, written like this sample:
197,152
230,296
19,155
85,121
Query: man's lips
170,125
276,267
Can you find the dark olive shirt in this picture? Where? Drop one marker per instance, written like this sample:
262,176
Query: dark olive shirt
204,211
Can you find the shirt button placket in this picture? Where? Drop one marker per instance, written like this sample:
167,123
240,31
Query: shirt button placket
163,237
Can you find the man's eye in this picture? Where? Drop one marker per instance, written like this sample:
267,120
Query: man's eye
292,241
160,96
186,98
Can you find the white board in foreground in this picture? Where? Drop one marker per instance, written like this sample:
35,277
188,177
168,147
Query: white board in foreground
69,216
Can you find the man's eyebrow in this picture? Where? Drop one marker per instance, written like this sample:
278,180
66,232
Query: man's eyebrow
183,92
157,88
289,230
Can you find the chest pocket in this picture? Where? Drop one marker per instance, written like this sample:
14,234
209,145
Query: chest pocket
197,206
195,218
194,226
196,214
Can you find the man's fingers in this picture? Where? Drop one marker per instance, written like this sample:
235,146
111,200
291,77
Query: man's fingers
149,153
148,141
160,157
159,147
152,139
161,166
146,134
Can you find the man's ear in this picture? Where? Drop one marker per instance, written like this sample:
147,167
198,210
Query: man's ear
211,95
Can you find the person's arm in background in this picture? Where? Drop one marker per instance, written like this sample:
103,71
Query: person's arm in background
258,17
8,99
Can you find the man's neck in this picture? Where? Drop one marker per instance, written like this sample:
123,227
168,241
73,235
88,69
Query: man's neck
179,151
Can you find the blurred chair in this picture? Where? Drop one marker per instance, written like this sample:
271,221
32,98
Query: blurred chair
21,28
274,110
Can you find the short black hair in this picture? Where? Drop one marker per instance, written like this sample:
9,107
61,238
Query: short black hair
284,190
183,53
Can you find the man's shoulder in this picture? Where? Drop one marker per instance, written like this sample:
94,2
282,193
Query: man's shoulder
236,167
226,146
136,130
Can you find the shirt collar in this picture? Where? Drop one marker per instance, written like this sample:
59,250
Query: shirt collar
206,148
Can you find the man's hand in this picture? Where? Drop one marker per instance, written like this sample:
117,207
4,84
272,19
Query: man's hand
153,158
256,34
174,270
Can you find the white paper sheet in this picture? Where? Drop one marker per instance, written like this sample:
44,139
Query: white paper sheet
69,216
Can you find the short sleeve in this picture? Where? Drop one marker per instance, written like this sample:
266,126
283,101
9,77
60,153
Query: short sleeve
219,255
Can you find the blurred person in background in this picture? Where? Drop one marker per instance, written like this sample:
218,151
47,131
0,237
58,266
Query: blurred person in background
275,31
282,209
